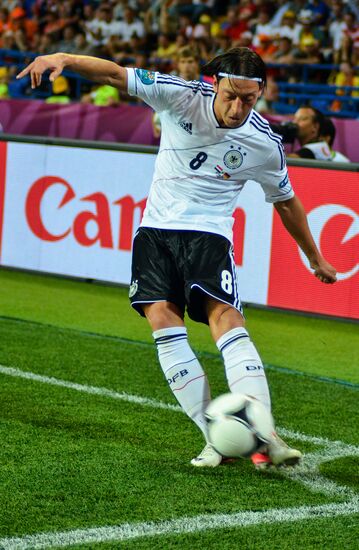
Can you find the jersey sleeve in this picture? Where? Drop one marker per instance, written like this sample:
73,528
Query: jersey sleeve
274,179
161,92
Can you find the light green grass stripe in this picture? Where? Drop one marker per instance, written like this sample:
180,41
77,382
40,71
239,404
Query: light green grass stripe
130,341
184,525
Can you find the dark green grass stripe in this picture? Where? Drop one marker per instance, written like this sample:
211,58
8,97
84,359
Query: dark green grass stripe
210,355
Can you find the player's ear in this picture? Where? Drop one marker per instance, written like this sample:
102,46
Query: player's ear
261,90
215,83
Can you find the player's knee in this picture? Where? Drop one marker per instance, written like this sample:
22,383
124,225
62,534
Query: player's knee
163,315
223,317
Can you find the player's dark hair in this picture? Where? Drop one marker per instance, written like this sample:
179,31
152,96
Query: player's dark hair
237,61
328,130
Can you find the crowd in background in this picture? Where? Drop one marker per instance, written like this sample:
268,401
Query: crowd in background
149,33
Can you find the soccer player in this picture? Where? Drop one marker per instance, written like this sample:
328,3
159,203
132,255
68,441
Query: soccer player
212,142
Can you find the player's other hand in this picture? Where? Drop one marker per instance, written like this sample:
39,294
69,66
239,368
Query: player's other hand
53,63
324,271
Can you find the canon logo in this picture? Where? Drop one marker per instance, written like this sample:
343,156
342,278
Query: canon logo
335,229
79,228
100,215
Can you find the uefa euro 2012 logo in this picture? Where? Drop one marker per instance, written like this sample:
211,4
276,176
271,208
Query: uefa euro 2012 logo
146,77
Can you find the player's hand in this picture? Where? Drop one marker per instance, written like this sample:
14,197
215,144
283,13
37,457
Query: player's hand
324,271
53,63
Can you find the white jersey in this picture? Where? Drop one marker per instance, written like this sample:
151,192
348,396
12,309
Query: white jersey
322,151
339,157
201,168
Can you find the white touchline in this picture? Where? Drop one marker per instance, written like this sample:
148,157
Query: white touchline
185,525
94,390
307,473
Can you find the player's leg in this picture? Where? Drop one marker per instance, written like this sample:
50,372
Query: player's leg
182,370
245,374
158,296
214,298
243,365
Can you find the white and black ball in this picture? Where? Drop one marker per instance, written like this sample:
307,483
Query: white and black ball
238,425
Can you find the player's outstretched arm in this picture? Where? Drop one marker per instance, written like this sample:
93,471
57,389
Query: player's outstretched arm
93,68
295,221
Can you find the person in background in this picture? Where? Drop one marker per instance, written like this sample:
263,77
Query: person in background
328,133
102,96
316,134
60,91
4,79
308,121
346,76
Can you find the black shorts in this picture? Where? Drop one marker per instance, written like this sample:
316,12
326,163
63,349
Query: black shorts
182,267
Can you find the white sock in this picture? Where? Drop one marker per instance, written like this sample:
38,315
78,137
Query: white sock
183,372
244,368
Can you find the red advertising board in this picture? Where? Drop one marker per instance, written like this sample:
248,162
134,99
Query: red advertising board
331,201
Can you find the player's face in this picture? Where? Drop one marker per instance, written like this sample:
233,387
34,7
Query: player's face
235,98
307,128
188,68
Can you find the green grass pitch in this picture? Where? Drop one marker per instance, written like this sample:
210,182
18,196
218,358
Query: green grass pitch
96,455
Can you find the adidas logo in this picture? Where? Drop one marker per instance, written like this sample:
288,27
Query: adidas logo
186,126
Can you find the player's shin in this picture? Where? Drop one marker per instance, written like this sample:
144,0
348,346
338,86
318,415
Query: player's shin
244,368
184,373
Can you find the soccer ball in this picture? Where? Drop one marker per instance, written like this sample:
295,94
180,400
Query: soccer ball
238,425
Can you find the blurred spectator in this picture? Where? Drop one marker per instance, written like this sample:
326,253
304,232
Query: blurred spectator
102,96
47,45
336,29
284,55
4,20
130,26
60,91
262,28
309,31
104,26
187,63
282,6
67,44
54,25
346,76
193,9
350,42
81,46
327,134
90,25
19,22
166,49
245,40
234,26
320,11
4,88
289,27
309,52
269,96
266,47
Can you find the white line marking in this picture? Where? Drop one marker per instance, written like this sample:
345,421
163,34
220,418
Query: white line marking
307,473
183,525
94,390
